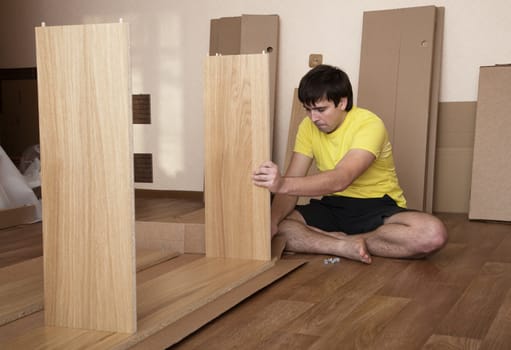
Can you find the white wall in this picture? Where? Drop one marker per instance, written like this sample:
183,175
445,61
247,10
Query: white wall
171,38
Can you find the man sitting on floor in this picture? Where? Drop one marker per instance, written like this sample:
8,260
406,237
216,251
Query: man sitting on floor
363,209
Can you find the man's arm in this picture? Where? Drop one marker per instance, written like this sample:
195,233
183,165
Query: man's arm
350,167
283,204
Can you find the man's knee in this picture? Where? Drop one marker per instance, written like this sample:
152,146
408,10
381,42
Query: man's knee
432,235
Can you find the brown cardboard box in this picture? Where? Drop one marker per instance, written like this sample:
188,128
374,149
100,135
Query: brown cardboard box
455,143
490,197
399,74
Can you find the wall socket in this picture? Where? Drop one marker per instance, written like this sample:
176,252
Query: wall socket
315,59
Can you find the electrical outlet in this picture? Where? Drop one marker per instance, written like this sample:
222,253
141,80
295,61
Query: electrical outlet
315,59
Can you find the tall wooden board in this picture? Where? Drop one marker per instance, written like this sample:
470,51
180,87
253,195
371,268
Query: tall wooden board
248,34
398,81
237,140
490,196
87,176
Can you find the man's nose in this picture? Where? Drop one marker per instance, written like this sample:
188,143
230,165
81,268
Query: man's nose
314,115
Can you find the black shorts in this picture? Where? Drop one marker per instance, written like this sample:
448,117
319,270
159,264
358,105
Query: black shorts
348,215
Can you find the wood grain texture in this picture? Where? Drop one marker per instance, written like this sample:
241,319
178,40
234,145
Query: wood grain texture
87,176
162,300
237,140
22,289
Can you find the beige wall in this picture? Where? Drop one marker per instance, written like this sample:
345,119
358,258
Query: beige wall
170,39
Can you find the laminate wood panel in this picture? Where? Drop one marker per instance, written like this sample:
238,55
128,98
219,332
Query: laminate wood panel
161,301
87,176
21,285
237,141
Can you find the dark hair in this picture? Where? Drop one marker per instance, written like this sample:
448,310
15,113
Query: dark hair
324,81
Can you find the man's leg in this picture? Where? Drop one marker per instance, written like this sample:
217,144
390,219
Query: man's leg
302,238
407,235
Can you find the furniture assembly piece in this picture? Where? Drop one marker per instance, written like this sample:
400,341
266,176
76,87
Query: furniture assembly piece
399,81
93,296
237,138
87,176
490,195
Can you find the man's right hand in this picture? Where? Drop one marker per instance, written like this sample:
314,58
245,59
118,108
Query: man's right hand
268,176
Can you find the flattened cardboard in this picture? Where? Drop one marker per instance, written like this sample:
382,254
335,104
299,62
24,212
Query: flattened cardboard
195,320
455,143
249,34
396,82
490,197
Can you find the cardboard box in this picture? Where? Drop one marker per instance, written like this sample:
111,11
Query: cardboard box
490,197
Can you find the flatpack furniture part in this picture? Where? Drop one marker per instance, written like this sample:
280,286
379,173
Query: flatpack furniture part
249,34
237,139
399,81
490,195
164,298
21,291
87,176
454,152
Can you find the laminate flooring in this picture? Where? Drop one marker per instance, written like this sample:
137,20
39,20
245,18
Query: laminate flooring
458,298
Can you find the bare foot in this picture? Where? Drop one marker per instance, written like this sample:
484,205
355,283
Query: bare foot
354,249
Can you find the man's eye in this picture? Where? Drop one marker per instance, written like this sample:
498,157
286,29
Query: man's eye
321,110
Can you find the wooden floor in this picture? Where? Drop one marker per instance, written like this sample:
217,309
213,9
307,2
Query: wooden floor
460,298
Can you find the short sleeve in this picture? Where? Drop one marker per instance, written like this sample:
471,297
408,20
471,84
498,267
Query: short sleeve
303,141
370,136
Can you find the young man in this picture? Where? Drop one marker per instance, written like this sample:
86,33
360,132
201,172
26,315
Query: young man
363,209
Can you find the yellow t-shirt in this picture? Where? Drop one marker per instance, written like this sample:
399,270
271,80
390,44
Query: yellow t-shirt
361,129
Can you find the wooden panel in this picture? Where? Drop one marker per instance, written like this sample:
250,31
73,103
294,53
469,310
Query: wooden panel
21,285
237,140
490,197
161,301
396,71
261,33
87,176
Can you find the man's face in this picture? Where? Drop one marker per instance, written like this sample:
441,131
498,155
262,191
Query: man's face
325,115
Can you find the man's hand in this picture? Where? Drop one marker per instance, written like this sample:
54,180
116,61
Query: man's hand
268,176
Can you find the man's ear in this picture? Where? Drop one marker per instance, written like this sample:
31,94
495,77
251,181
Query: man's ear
343,102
